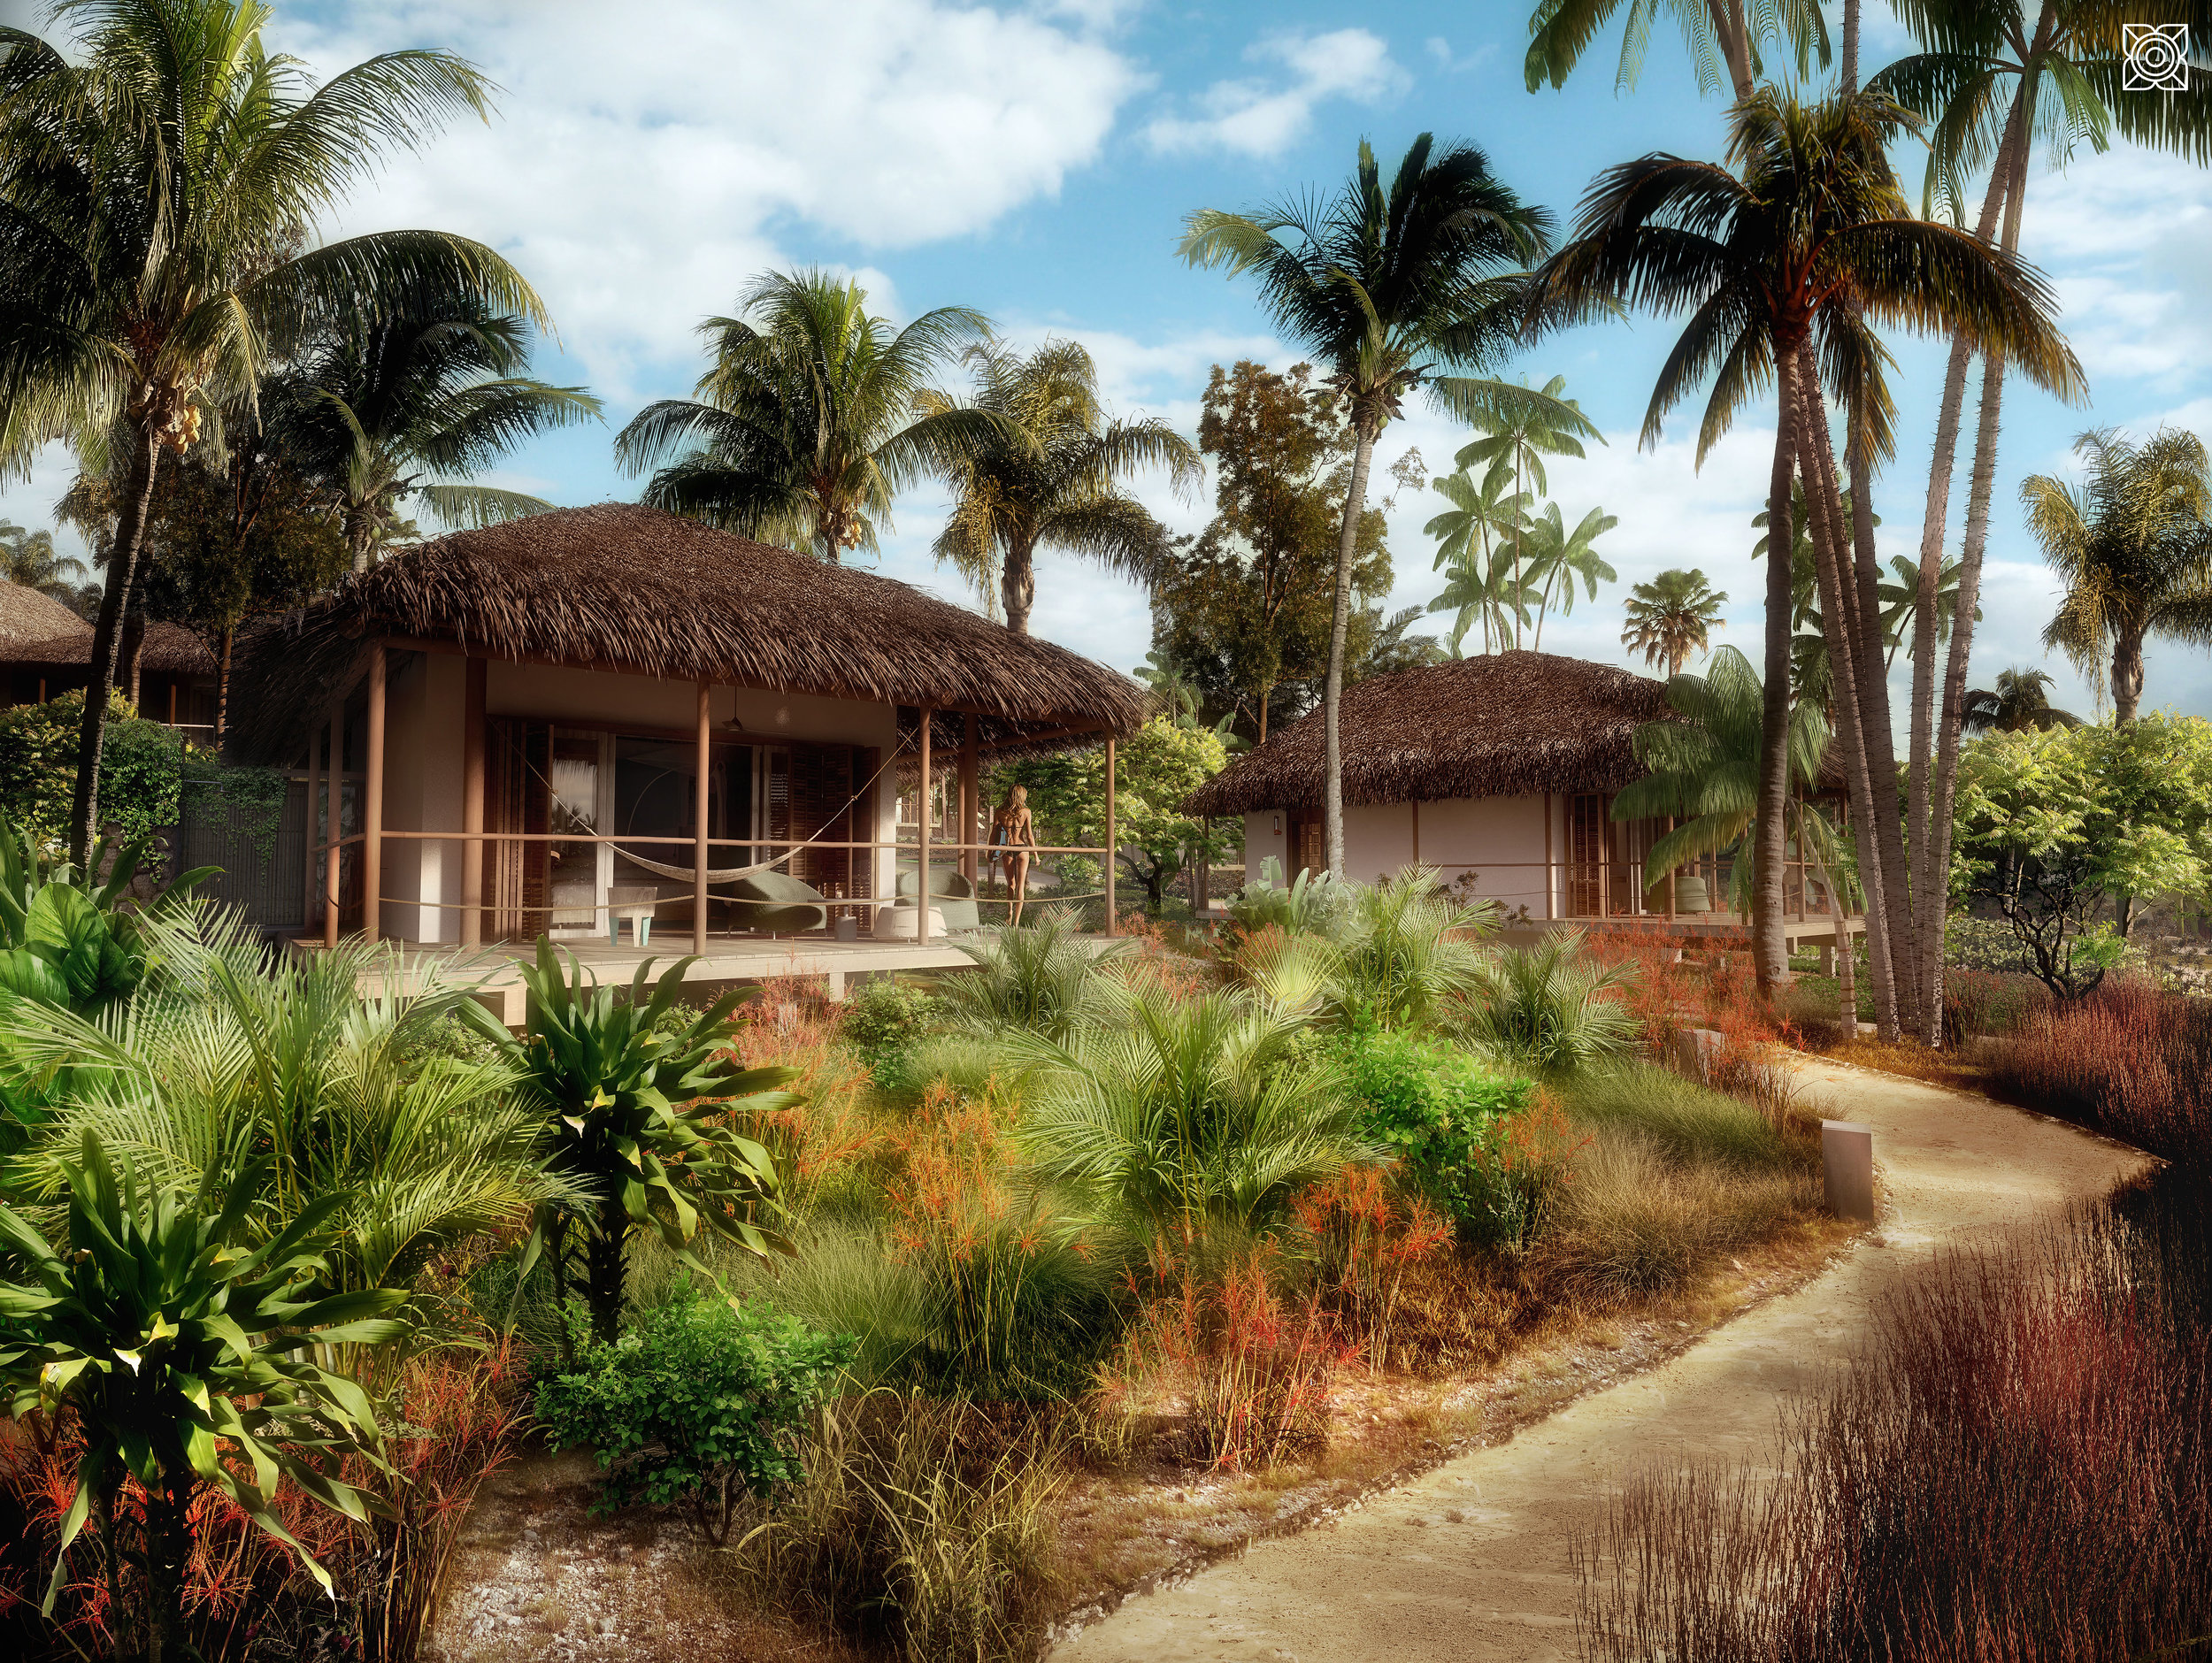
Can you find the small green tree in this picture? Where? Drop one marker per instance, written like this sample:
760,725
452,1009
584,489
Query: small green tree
172,1346
637,1115
2071,832
141,769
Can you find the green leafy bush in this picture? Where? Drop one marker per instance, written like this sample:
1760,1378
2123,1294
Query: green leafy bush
1552,1007
69,942
1313,904
1449,1119
141,769
1040,978
701,1404
884,1022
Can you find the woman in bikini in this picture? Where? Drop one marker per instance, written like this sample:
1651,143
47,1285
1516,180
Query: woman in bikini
1014,834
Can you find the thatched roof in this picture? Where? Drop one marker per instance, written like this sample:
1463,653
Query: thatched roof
36,629
625,587
1504,724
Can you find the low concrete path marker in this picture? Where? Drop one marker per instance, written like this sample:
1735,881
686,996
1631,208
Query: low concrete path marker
1471,1563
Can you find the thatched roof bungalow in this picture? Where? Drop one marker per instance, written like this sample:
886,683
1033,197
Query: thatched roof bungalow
617,698
1499,770
46,649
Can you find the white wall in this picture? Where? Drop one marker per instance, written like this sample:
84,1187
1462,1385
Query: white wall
1499,838
422,792
1265,834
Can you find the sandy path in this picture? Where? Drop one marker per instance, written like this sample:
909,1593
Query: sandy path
1471,1562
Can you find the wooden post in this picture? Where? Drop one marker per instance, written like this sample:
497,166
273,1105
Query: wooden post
314,789
1670,876
372,802
472,802
968,802
333,821
1111,927
1548,885
702,852
173,704
921,836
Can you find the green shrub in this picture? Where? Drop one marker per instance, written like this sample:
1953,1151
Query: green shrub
1040,978
1409,945
884,1022
1448,1118
701,1404
1551,1007
141,768
1313,904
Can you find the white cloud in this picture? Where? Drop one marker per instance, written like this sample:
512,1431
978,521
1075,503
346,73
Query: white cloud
639,171
1263,115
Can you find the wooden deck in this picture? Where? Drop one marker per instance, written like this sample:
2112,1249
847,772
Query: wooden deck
495,969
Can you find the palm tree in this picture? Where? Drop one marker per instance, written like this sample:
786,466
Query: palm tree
1388,285
1723,37
2020,702
1783,265
1900,598
809,422
1525,437
1992,78
1478,578
1670,618
2133,547
156,181
1473,592
27,559
1558,556
1053,479
394,407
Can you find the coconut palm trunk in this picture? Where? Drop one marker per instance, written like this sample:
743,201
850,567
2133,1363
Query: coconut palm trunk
1368,428
107,638
1017,584
1769,830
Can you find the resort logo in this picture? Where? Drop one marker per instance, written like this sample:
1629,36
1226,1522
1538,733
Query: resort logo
2157,58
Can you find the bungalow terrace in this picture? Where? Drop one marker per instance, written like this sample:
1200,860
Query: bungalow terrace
1499,771
608,716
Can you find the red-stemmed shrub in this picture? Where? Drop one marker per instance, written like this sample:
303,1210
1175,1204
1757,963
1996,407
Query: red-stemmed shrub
2128,1059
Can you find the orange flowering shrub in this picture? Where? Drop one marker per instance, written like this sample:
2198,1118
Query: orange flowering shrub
1368,1233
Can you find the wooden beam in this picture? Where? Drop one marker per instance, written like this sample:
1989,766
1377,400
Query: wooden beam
1110,926
472,802
921,834
703,854
333,855
313,843
967,801
372,802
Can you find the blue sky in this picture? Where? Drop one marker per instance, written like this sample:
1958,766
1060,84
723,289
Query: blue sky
1037,161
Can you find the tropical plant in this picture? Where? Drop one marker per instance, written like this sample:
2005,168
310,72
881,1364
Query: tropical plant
1670,616
1053,479
172,1346
1189,1112
220,1051
1040,978
1481,580
160,175
409,404
702,1405
1522,438
1313,904
1705,771
29,559
2132,545
1407,946
810,421
1387,284
69,941
1991,81
639,1116
1724,38
1557,556
1899,598
1793,260
1551,1007
2020,700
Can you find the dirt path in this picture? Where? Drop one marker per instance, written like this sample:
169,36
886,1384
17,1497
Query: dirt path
1471,1562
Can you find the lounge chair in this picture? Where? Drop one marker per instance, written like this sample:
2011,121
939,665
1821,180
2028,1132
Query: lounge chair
777,902
951,895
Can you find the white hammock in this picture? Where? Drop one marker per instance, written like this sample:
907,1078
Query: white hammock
715,874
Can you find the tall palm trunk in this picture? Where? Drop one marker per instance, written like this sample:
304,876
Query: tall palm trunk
1843,621
130,537
222,687
2127,677
1017,585
1339,624
360,536
1769,955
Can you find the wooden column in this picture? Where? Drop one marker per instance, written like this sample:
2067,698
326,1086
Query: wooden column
1548,911
372,802
1111,928
314,791
968,802
1670,876
702,855
472,802
921,836
334,824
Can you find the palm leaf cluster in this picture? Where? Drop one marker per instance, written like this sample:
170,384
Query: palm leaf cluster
1672,616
